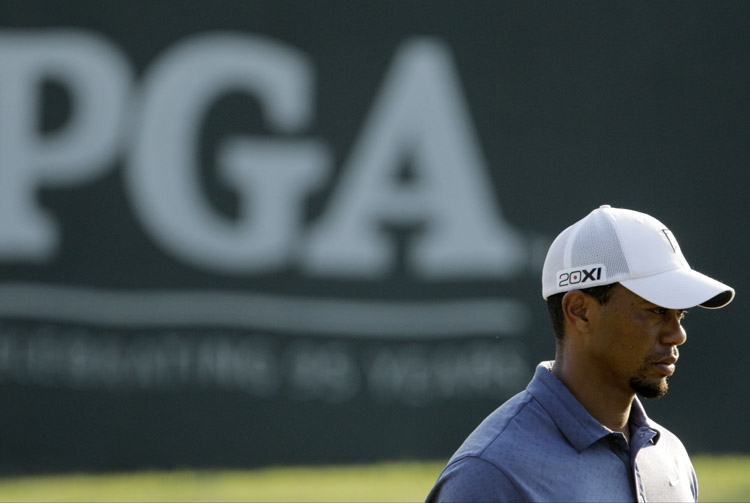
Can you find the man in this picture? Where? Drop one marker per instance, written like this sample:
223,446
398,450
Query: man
617,287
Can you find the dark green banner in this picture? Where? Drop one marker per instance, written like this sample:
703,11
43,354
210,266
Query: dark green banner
251,233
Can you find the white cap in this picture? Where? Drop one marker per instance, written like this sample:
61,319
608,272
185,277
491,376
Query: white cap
613,245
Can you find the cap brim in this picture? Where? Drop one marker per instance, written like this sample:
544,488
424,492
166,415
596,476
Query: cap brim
681,289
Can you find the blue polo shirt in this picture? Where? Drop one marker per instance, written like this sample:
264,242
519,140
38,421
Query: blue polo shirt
542,445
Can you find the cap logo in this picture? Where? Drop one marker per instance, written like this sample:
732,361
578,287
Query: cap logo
671,239
585,276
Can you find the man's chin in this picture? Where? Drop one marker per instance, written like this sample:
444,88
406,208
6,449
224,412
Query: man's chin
648,388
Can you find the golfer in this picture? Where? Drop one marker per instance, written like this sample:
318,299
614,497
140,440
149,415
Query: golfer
617,288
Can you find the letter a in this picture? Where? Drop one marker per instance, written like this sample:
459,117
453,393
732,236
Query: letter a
419,119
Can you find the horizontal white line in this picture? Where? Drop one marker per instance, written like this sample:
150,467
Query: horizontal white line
318,316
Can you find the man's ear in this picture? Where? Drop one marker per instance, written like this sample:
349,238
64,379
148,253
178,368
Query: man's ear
575,306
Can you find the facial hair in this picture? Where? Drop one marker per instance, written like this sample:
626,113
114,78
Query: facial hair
649,388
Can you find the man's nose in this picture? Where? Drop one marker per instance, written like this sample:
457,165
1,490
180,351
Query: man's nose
674,333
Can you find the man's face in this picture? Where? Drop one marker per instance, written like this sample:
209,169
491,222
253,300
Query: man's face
635,342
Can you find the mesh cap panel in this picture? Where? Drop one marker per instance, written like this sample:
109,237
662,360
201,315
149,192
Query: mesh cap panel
597,243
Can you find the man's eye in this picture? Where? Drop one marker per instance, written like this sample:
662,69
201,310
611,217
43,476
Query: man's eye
661,311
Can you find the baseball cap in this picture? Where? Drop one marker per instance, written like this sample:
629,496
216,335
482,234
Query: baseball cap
612,245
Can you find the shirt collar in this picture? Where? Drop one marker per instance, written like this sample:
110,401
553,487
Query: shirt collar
579,427
639,420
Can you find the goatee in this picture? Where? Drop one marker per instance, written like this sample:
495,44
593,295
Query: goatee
649,389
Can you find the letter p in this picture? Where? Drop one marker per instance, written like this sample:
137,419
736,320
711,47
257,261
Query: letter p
97,78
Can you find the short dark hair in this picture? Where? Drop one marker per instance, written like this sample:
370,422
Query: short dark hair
554,305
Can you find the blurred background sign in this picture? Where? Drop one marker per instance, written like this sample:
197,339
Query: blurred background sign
240,234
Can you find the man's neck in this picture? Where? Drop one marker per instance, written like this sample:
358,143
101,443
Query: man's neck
611,407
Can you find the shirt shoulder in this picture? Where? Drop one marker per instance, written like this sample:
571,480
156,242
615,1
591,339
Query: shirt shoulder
502,452
473,479
518,430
